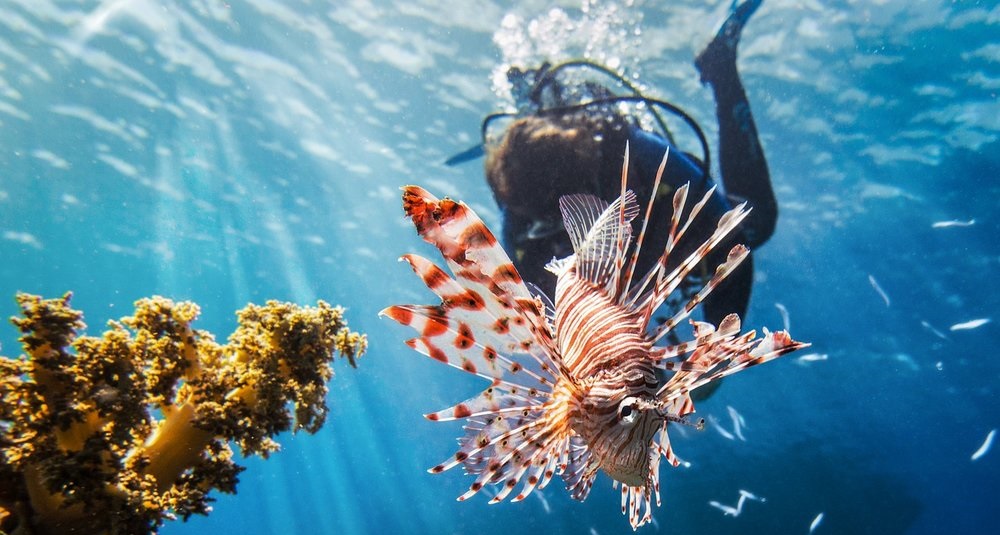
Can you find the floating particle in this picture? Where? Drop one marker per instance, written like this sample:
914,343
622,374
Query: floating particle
738,423
811,357
718,427
784,315
931,328
729,510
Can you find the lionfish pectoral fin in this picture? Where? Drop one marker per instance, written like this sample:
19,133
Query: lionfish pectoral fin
505,450
490,402
580,469
472,251
487,318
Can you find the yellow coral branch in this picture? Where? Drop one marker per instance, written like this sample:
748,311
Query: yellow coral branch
176,445
118,433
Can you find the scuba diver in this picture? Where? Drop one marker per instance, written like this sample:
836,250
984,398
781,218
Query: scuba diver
569,136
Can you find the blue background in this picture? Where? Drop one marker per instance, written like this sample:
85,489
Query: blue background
227,152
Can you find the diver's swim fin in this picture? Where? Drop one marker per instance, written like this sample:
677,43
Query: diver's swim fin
466,155
719,56
732,27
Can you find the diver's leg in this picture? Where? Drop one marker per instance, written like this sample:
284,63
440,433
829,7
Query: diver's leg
741,157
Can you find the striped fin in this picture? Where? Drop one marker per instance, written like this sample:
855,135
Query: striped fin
665,285
448,339
540,475
656,274
488,323
485,438
500,450
487,316
725,358
705,334
627,279
580,470
499,398
458,338
496,319
637,499
736,257
667,451
600,233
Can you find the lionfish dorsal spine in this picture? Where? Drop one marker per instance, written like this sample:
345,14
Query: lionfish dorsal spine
655,276
667,283
623,291
736,257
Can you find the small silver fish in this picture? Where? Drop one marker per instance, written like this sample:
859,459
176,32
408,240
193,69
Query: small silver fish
971,324
987,444
816,522
953,223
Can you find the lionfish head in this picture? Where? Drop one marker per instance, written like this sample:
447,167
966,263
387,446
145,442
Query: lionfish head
619,428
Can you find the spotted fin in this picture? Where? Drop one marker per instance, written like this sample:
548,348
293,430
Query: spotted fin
467,330
580,470
504,448
500,398
463,239
488,323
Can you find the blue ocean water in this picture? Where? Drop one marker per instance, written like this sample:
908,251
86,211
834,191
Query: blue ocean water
227,152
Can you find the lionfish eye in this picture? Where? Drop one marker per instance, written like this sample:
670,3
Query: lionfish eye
628,411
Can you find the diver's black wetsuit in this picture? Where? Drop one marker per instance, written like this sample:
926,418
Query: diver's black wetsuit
531,253
745,177
532,230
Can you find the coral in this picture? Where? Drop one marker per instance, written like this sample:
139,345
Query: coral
120,433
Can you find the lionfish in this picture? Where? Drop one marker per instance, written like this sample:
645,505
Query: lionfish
572,390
